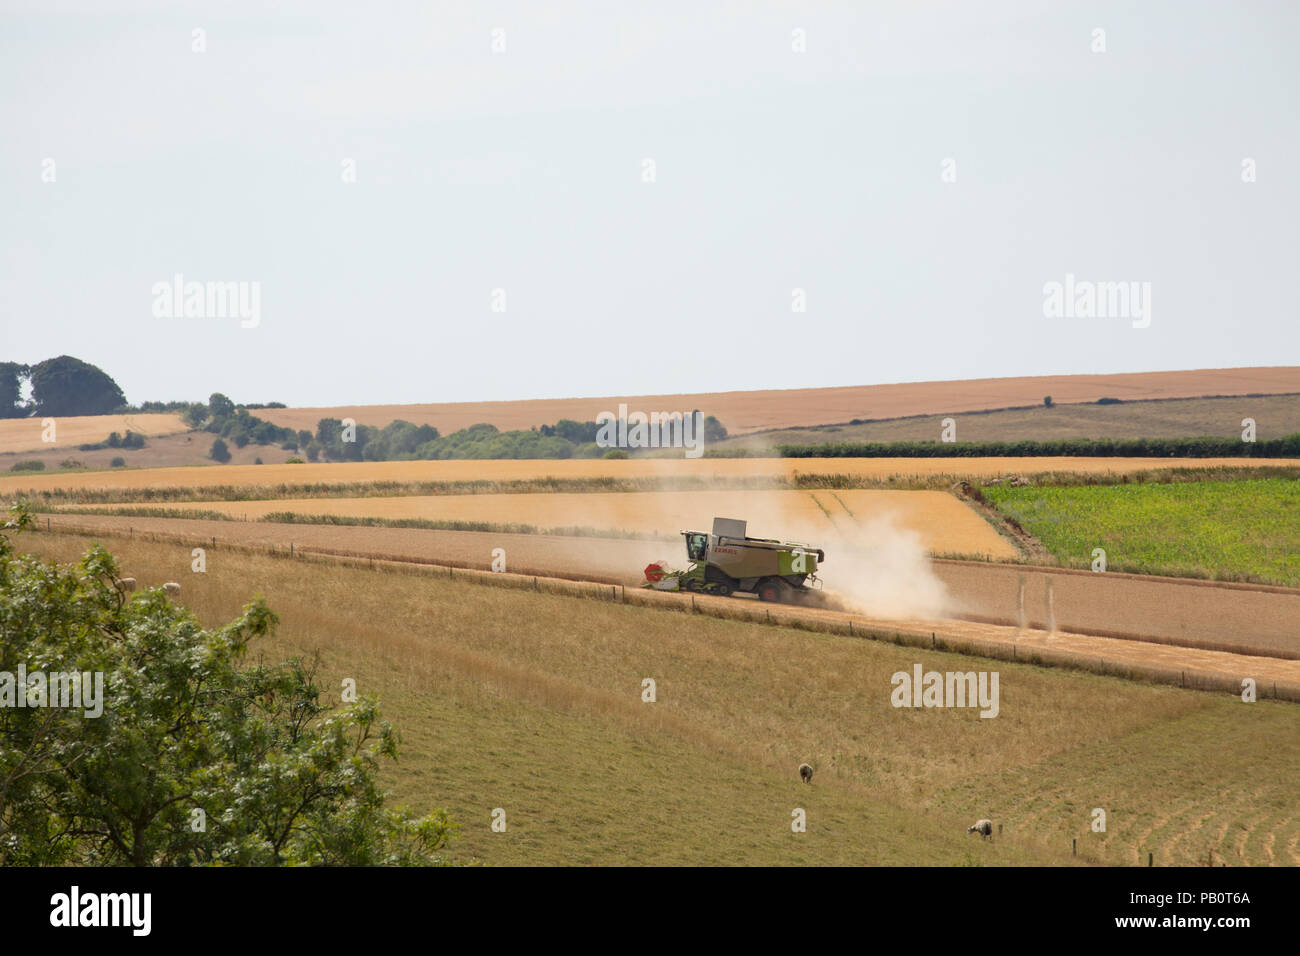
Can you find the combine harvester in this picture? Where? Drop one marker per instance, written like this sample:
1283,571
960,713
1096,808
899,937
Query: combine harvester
727,561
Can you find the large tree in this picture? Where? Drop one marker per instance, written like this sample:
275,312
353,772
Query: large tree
12,375
193,753
69,386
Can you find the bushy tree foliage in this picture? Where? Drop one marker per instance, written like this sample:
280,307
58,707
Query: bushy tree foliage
12,376
69,386
194,730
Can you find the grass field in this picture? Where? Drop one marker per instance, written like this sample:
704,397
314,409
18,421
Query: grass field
531,702
1275,416
1234,530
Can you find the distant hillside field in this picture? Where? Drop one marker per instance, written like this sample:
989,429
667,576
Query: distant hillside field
1274,415
25,434
749,411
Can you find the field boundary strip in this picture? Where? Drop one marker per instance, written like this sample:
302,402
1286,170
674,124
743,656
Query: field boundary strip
729,609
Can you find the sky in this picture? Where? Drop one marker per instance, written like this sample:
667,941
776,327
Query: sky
582,199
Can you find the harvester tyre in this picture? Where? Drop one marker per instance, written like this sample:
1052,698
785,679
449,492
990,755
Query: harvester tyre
771,589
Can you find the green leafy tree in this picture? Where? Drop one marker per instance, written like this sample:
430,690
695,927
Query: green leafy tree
12,376
714,429
220,407
69,386
195,414
192,726
220,451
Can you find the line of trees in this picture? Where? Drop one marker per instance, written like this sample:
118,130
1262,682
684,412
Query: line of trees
401,440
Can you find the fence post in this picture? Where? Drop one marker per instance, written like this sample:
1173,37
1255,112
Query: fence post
1150,858
1021,621
1074,847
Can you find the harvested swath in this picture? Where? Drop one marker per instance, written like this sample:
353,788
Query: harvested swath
1218,617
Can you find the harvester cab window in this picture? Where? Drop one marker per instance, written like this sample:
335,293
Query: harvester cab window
696,546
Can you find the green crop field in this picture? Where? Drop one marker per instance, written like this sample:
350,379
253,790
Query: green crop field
1229,530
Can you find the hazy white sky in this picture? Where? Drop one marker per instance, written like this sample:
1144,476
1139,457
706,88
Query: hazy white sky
522,170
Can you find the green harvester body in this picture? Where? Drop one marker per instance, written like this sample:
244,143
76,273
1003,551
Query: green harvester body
728,560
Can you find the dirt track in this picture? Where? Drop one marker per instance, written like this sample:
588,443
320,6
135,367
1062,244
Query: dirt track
1201,624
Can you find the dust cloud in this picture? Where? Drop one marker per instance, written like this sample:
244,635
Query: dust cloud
883,570
875,566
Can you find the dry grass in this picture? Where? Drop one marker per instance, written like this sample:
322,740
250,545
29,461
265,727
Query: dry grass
532,702
25,434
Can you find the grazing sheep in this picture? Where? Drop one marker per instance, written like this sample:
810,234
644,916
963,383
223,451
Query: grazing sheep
126,584
983,827
805,773
172,588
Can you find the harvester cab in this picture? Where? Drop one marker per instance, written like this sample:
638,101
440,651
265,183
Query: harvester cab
728,560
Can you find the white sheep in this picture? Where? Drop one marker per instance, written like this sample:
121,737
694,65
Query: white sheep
172,588
983,827
126,584
805,773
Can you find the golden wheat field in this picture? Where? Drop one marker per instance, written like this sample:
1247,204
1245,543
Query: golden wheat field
28,434
667,468
943,523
